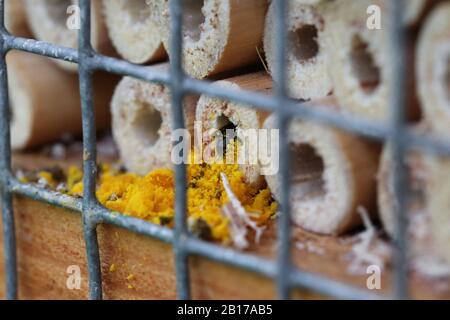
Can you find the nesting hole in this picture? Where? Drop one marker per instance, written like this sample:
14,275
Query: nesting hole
227,129
304,43
223,123
57,10
147,125
137,9
307,171
193,18
363,65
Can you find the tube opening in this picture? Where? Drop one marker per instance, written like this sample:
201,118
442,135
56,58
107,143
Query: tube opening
193,19
57,10
228,131
147,124
223,123
308,169
304,43
363,65
137,9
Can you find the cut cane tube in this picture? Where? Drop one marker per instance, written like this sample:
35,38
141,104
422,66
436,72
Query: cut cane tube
44,108
440,208
433,62
57,22
332,175
16,19
307,66
218,115
133,30
423,251
360,61
219,35
414,10
142,124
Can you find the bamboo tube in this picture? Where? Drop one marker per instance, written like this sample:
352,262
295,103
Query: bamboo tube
307,73
46,107
424,253
333,174
360,62
440,207
48,21
415,10
216,114
219,35
142,123
15,18
412,14
133,30
433,63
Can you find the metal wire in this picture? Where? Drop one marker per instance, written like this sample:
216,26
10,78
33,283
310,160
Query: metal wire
89,152
9,237
284,223
177,93
184,244
398,123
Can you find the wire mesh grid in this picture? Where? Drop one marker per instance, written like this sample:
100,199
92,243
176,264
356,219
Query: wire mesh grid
93,213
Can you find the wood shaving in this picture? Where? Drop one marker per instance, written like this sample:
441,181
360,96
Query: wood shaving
239,218
310,247
368,249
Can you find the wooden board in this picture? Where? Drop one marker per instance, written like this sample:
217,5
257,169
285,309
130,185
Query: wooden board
50,240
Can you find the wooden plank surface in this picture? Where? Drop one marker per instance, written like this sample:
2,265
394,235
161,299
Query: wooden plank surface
50,240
